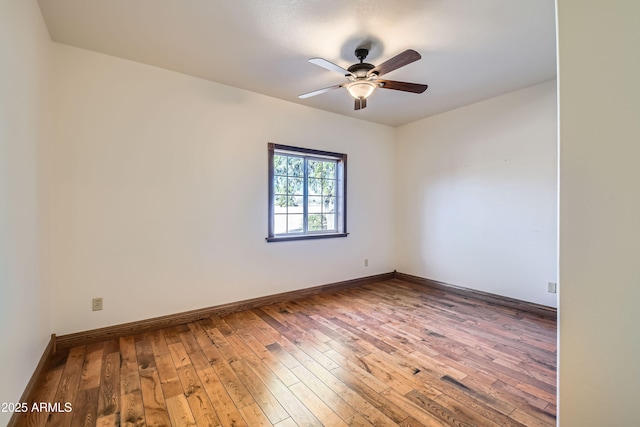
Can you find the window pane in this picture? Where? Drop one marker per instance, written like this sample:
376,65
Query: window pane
329,170
317,222
329,204
296,186
329,187
295,204
280,205
315,204
315,186
279,164
294,223
315,168
330,222
280,185
280,223
296,166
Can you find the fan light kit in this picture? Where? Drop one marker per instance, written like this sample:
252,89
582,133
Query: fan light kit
361,89
363,77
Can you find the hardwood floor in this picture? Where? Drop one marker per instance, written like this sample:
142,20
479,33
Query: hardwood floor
386,354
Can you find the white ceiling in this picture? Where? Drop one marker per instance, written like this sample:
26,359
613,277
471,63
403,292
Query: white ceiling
471,49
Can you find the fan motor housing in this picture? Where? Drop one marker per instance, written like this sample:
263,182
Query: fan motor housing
361,69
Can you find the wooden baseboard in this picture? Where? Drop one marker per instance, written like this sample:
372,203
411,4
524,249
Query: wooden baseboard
541,310
29,392
116,331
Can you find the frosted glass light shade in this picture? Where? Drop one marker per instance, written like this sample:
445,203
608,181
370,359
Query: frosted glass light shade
361,89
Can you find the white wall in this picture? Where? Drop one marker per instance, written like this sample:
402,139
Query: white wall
160,184
476,196
599,65
25,322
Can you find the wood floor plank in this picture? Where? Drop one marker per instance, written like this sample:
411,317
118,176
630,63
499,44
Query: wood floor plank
391,353
369,396
328,396
473,402
359,421
201,407
92,367
261,394
444,359
172,335
285,358
342,351
254,416
284,374
109,390
132,409
179,354
367,410
157,341
286,423
534,391
226,409
108,421
180,412
44,393
232,384
68,387
155,408
85,407
518,397
531,420
317,407
145,355
388,373
333,382
298,339
197,340
360,370
129,375
429,414
169,379
468,413
296,410
199,333
551,409
506,374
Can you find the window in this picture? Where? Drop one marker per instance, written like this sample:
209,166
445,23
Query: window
307,194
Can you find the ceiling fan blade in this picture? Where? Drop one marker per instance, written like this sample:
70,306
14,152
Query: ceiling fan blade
330,66
360,103
400,60
319,91
403,86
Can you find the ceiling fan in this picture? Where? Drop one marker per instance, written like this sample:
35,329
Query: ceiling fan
362,78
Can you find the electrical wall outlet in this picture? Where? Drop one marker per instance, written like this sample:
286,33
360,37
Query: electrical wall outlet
552,287
96,304
366,263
